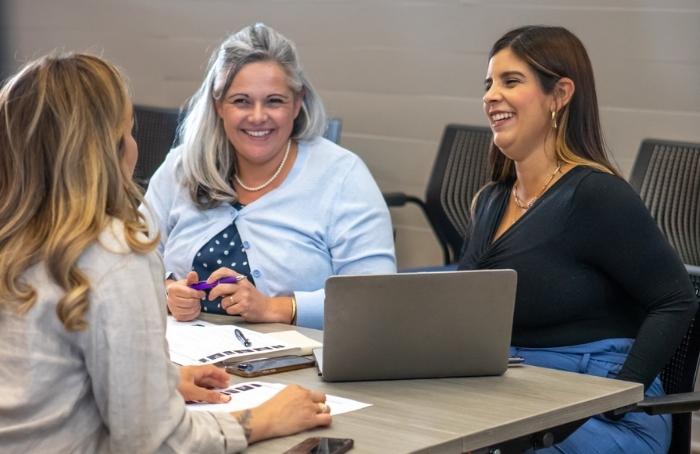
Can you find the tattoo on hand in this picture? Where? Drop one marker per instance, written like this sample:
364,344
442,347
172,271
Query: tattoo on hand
244,421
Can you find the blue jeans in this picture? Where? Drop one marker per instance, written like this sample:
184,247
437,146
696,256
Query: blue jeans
635,432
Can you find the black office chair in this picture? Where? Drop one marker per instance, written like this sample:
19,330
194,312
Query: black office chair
461,168
666,175
154,130
333,130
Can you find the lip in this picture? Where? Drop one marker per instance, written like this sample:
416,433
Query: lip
258,134
502,121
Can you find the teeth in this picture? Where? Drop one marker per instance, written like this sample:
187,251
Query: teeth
501,116
258,133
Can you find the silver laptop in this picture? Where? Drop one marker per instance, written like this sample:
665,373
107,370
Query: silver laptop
418,325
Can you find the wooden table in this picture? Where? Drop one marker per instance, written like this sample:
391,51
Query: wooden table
453,414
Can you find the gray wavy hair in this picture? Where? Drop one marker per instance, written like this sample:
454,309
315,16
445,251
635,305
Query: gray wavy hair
208,159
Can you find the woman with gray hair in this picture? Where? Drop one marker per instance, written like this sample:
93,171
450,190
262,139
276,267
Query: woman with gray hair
255,201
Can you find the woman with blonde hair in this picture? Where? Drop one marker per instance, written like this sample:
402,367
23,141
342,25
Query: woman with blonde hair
256,195
78,372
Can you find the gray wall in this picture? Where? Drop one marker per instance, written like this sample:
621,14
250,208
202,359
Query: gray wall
396,71
5,66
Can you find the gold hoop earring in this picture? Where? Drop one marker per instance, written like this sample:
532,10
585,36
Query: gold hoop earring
554,119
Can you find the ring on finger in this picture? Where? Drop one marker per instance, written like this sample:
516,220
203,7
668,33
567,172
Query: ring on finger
323,408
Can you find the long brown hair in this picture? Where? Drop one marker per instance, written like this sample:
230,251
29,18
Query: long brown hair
62,120
553,53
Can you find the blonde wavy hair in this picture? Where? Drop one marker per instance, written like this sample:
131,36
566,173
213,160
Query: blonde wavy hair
62,120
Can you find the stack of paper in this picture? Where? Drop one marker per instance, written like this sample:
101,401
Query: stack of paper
200,342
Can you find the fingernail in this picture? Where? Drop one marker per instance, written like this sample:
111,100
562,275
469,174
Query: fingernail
224,397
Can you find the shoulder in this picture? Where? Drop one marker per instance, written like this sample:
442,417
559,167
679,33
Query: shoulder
111,251
332,160
590,179
123,282
113,238
167,185
170,170
174,156
595,187
322,150
600,198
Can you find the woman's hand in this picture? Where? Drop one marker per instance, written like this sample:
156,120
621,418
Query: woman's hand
183,302
196,383
242,298
291,410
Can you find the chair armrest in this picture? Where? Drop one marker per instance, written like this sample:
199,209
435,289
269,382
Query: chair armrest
693,270
672,403
399,199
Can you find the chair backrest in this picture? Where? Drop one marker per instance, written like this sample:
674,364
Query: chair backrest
333,130
666,175
461,168
155,130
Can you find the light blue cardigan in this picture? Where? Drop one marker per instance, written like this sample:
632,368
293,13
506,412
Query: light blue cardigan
328,217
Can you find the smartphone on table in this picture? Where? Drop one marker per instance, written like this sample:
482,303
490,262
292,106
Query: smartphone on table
322,445
265,366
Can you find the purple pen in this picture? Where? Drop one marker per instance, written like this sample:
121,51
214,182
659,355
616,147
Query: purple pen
204,285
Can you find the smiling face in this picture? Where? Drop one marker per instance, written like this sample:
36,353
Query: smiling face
518,110
258,112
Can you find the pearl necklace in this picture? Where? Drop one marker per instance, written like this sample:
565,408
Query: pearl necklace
526,206
271,179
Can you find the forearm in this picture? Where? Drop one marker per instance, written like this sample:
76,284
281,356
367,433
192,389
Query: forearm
245,420
284,309
648,355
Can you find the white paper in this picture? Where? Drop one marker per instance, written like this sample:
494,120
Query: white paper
253,393
296,339
200,342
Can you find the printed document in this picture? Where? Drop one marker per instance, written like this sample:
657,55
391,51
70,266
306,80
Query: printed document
253,393
200,342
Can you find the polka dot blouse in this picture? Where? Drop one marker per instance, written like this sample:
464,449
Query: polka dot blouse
224,250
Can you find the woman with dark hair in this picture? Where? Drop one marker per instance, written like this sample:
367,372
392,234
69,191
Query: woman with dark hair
254,193
600,290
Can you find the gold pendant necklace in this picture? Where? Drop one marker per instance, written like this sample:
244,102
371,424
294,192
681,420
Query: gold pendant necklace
526,206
